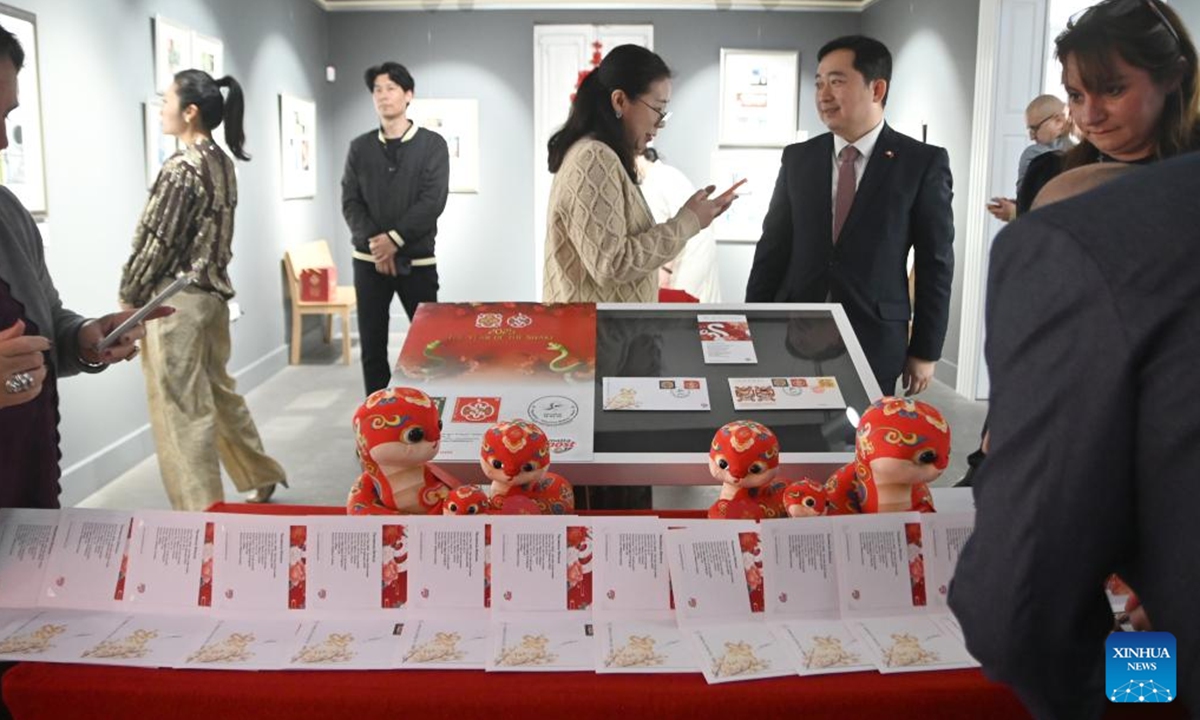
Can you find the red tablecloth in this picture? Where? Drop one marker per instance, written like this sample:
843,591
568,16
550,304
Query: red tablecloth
671,295
63,692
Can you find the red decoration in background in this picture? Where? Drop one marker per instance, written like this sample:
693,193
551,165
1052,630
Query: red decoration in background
596,58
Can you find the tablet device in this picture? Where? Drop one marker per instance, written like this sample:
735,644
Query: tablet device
180,283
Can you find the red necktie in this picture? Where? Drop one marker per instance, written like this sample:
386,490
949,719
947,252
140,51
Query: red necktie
845,188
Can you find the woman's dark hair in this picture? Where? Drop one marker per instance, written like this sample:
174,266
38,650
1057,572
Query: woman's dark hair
1148,35
630,68
196,87
395,71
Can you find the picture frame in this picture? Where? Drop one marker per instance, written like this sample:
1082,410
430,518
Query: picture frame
743,221
159,146
759,97
23,162
172,51
457,121
208,54
298,147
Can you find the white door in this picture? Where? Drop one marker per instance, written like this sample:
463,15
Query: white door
1019,73
560,52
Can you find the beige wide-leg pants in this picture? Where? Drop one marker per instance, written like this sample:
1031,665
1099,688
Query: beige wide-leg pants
195,411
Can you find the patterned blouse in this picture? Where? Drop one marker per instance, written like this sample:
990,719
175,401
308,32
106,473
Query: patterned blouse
187,223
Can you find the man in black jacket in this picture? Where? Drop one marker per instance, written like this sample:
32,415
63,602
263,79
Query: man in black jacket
393,191
840,231
1093,329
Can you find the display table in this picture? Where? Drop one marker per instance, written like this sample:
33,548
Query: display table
496,361
61,692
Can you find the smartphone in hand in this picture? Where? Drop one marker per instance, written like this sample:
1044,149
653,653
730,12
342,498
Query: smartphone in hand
733,187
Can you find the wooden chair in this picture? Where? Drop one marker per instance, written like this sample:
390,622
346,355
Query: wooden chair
298,259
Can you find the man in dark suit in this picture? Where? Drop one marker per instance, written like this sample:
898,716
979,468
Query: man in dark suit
1093,330
847,207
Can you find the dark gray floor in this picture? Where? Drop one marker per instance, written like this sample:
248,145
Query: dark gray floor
304,412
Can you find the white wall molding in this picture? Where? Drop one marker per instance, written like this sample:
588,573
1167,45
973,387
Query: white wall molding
455,5
974,282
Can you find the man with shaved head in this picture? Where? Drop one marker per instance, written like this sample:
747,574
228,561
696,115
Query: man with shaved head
1050,130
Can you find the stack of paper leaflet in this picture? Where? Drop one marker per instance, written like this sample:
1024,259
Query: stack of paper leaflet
735,600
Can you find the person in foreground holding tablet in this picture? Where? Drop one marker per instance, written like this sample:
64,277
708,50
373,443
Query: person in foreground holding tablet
602,244
1093,423
198,419
40,340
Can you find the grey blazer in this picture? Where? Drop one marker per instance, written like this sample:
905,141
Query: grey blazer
1093,335
23,267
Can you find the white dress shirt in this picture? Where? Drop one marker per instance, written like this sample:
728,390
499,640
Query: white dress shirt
865,145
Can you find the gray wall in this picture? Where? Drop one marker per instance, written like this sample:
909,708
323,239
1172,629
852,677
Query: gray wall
933,83
92,114
1189,10
484,240
97,69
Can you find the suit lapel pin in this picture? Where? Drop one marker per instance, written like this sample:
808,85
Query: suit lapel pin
889,154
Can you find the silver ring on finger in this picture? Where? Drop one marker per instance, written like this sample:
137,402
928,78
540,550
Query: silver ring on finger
18,383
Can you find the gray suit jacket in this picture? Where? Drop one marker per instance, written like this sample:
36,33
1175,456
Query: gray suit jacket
1093,335
23,267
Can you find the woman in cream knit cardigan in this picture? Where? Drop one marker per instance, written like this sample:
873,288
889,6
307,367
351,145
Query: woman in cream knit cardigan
602,244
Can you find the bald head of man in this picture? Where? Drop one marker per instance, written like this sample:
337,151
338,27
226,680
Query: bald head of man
1046,119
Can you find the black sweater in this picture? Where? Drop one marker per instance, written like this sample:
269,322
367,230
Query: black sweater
399,190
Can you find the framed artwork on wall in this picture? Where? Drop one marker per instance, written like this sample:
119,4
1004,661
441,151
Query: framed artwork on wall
298,146
208,54
23,162
458,122
159,146
742,222
172,52
759,97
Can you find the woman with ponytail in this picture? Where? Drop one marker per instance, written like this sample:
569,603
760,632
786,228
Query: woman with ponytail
602,244
187,226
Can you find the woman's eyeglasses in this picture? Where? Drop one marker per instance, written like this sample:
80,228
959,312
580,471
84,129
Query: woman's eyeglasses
663,117
1119,8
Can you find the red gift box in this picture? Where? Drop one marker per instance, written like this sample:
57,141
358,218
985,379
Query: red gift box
318,284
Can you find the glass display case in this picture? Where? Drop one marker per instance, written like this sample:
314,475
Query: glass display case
671,447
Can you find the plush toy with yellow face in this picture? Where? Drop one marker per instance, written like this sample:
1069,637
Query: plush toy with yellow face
515,457
901,446
398,431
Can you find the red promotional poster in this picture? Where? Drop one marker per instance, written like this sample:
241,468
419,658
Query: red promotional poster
492,362
508,340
